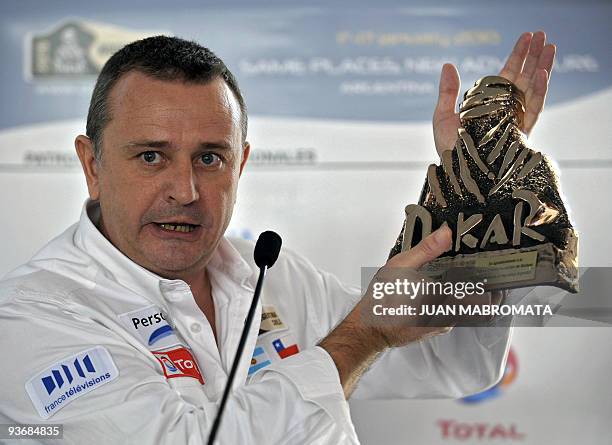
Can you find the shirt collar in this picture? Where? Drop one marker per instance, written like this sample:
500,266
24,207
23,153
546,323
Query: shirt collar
225,260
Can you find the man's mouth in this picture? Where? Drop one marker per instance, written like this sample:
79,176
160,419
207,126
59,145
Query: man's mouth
176,227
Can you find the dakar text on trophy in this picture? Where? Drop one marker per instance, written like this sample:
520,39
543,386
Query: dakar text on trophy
500,198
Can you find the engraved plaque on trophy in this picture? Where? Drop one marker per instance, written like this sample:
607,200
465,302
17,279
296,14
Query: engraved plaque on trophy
500,198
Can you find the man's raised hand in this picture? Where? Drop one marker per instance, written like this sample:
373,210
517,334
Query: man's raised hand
528,67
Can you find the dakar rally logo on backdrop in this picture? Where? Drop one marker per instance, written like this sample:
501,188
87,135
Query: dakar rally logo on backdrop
75,49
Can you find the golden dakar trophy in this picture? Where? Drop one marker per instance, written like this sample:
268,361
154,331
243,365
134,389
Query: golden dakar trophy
500,198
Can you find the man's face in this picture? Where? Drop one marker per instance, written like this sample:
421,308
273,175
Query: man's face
171,158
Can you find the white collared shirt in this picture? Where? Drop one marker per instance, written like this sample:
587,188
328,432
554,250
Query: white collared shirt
118,354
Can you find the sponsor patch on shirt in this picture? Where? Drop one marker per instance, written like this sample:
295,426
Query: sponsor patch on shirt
65,381
179,362
270,320
285,346
150,325
260,360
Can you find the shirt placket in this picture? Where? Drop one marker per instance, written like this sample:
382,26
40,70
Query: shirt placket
195,329
238,298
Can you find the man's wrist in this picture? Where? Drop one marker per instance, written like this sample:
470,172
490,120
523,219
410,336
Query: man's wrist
353,348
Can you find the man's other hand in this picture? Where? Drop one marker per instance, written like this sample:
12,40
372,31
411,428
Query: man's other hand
354,344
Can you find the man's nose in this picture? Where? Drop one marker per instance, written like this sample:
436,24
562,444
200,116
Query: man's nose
182,187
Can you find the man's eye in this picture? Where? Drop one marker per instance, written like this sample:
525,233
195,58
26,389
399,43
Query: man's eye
150,157
210,159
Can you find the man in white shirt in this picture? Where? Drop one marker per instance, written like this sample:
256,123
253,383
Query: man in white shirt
123,329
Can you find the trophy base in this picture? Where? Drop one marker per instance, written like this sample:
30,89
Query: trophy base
544,264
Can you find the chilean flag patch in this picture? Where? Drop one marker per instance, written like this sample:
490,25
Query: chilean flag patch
285,346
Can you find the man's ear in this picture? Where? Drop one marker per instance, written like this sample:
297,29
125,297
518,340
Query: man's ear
246,149
85,150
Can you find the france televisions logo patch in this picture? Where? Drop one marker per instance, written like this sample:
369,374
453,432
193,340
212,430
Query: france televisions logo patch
67,380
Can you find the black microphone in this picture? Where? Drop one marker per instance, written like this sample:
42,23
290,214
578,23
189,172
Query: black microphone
266,253
267,249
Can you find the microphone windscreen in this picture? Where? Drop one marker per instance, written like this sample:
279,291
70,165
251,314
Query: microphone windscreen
267,249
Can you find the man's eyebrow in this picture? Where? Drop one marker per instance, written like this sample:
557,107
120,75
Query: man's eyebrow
147,144
216,145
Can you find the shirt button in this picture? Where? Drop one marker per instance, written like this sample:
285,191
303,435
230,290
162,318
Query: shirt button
196,327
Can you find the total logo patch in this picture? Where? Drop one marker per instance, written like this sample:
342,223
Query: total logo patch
178,362
150,325
65,381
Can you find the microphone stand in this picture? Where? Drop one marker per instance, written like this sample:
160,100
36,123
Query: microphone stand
243,338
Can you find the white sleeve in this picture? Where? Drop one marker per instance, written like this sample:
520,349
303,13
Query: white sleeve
464,361
296,401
